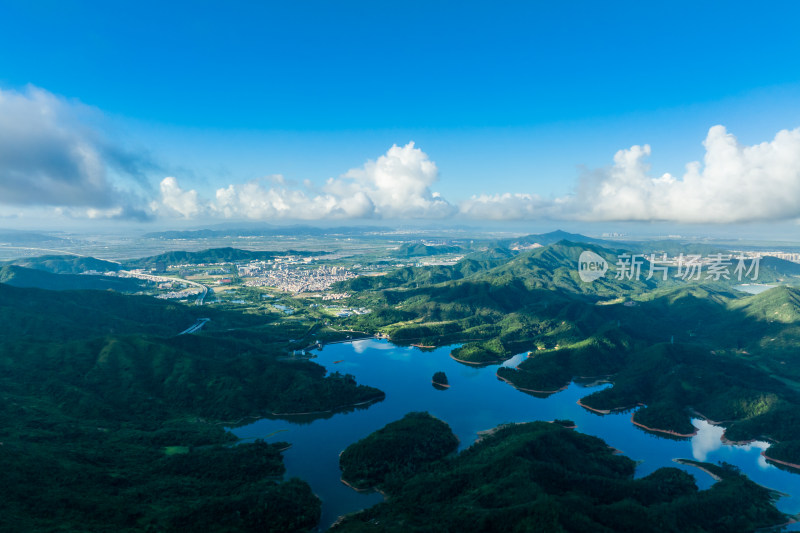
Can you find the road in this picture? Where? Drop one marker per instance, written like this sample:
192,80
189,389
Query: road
164,279
197,326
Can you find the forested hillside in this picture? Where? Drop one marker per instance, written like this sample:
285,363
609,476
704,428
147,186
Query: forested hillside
111,422
543,477
677,347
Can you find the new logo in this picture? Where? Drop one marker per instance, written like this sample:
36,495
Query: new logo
591,266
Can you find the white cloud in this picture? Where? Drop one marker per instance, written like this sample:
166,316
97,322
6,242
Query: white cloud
176,201
734,183
256,201
506,206
52,153
396,185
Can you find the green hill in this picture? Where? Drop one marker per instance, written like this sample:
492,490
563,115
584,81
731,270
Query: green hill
389,456
214,255
473,263
67,264
543,477
67,337
736,362
43,315
19,238
671,379
422,250
543,239
111,422
27,277
779,304
556,266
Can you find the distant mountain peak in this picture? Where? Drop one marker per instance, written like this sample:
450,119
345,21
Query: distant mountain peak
543,239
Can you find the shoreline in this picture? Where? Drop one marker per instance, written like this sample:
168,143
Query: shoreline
784,463
476,363
598,411
792,520
729,442
665,431
712,422
368,489
584,381
335,409
565,387
686,462
484,433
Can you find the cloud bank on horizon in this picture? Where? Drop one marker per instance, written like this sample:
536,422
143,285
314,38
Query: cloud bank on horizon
734,183
53,154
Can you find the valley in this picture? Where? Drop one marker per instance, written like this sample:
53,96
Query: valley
106,374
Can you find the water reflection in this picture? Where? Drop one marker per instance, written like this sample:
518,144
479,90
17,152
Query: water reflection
709,439
476,400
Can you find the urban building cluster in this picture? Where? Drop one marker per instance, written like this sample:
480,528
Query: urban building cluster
786,256
291,279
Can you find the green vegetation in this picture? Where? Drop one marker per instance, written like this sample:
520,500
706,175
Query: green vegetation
105,479
422,250
440,378
41,315
421,276
487,352
671,378
27,277
549,369
543,477
67,264
388,457
111,422
675,347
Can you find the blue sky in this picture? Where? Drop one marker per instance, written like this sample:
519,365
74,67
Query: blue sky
527,100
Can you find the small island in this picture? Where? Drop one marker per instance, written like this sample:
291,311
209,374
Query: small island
439,381
387,457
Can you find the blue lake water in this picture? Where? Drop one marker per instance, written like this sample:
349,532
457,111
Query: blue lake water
476,401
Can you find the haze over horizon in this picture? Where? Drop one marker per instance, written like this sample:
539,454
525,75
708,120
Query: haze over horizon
522,116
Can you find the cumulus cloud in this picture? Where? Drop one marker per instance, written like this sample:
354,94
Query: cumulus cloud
52,155
177,202
258,199
396,185
734,183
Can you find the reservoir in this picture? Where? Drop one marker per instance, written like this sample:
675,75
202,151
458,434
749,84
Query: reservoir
477,401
